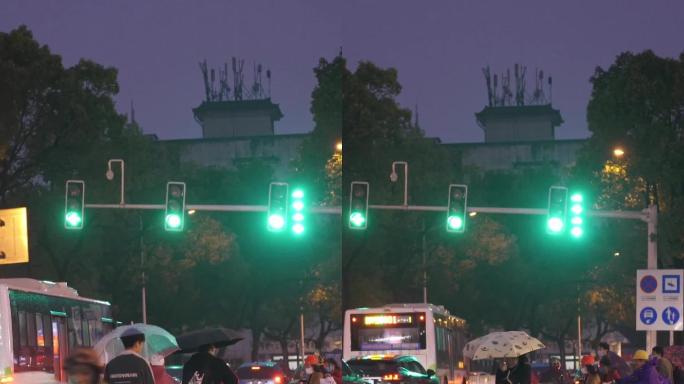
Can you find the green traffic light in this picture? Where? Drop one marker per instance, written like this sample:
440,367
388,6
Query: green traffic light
576,221
73,219
576,232
357,219
455,222
555,224
276,222
576,198
173,220
297,194
298,205
576,209
298,217
298,228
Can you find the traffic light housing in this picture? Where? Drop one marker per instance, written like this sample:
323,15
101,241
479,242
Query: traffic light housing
174,219
277,206
457,208
358,205
557,213
74,204
297,213
577,214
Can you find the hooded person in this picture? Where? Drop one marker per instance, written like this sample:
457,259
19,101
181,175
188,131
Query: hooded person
644,370
206,368
521,373
611,359
130,367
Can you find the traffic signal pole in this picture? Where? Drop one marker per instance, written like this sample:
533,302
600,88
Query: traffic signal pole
212,208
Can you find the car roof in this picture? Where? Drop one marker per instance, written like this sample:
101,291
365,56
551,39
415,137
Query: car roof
398,358
270,364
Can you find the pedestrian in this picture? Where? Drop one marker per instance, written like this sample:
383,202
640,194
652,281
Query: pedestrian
590,372
521,373
206,368
313,370
502,372
159,371
663,365
129,367
555,374
333,369
616,363
644,370
83,367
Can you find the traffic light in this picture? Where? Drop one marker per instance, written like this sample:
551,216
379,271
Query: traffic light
456,208
277,206
576,214
558,205
74,204
174,219
358,205
298,205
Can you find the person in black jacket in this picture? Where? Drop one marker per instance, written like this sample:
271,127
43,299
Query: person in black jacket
210,369
522,372
129,367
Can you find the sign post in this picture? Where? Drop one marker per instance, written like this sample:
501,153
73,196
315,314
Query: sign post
659,300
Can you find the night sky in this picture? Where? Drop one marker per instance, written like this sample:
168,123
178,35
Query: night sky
439,49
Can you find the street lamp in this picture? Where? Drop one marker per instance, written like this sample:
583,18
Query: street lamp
338,146
618,152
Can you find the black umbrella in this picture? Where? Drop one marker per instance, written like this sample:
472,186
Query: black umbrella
219,337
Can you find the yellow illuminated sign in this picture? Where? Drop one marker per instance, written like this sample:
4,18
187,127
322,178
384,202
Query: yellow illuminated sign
13,236
387,319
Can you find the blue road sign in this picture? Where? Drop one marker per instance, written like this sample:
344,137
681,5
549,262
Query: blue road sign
648,284
671,315
671,284
648,315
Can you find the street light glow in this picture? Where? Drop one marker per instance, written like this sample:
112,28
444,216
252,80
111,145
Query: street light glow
618,152
338,146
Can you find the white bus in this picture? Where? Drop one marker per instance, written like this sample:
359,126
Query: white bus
40,321
425,331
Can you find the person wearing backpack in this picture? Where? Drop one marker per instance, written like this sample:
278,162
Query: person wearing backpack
205,368
663,365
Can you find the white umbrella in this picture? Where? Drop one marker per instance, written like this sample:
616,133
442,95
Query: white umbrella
498,345
157,342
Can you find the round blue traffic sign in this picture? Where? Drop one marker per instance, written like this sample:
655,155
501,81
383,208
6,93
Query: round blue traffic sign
671,315
648,283
648,315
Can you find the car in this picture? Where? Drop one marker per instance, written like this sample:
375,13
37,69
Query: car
352,376
261,372
393,369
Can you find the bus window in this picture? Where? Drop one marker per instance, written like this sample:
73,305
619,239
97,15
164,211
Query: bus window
23,335
31,329
40,334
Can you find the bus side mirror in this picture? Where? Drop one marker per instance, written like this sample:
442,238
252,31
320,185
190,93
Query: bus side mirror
430,372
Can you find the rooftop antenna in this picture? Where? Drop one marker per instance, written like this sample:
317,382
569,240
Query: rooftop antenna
497,100
205,77
506,93
488,80
520,71
550,90
268,77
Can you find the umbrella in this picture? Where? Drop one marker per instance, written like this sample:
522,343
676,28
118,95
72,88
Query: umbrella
219,337
157,342
501,344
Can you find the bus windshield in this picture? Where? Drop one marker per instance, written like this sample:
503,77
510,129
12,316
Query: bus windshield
382,332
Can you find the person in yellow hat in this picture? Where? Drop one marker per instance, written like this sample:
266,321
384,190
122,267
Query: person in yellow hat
644,370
